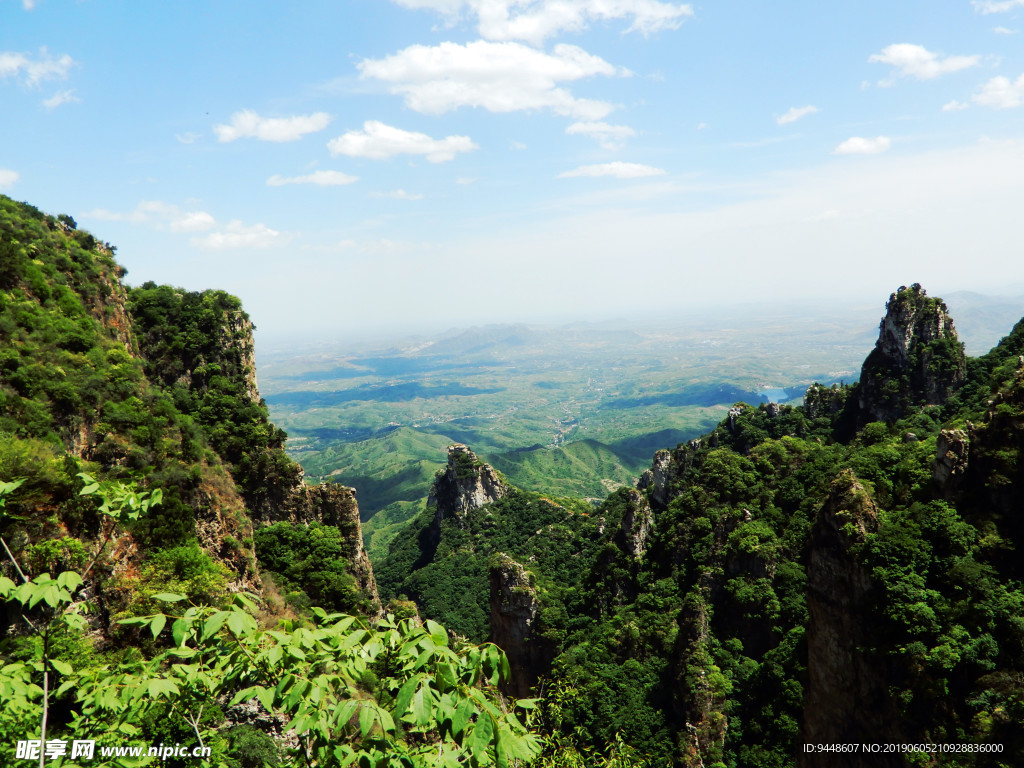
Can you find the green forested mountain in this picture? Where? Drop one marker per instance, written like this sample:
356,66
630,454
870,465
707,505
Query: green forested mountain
842,572
845,571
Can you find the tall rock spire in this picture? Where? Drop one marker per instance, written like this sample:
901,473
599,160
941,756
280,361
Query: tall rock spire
918,359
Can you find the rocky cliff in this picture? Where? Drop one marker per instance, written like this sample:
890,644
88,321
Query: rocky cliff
918,359
465,484
847,697
153,382
514,608
333,505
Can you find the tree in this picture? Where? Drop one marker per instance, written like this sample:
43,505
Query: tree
395,694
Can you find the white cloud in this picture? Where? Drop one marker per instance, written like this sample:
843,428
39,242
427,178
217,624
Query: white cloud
60,97
996,6
918,62
320,178
33,71
858,145
464,180
536,20
248,124
163,216
8,178
517,146
28,5
500,77
1004,31
378,141
795,113
188,138
617,169
398,194
954,106
608,136
1000,93
237,235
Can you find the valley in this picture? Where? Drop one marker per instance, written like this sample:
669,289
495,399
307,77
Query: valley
574,410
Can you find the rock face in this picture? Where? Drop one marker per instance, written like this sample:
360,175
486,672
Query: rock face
847,692
918,359
634,533
465,484
655,479
951,454
336,505
514,608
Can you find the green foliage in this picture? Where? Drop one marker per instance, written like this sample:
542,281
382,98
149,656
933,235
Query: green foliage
198,347
445,569
392,695
314,560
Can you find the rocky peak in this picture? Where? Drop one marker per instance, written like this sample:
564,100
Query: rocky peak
918,359
465,484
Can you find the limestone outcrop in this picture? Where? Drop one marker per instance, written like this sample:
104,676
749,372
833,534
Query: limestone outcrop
918,359
465,484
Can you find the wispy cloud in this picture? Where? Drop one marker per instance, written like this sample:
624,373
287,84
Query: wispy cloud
608,136
378,141
248,124
954,106
8,178
619,170
319,178
190,137
398,194
795,113
1004,31
996,6
918,62
170,217
536,20
499,77
59,98
33,70
1001,93
163,216
858,145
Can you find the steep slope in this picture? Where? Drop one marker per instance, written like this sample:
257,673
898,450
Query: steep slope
471,546
793,589
917,360
152,384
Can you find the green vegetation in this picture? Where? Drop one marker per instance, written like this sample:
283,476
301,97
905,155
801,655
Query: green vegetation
197,346
698,645
445,568
715,617
576,413
311,563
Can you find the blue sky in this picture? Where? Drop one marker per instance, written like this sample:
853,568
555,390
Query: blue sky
411,164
